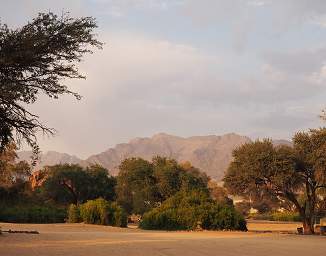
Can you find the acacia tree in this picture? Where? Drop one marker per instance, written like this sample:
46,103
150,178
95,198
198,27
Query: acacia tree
295,174
35,59
67,183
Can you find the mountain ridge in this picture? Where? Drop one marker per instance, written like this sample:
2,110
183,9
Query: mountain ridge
210,153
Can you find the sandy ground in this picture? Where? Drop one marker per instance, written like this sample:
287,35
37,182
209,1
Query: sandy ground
91,240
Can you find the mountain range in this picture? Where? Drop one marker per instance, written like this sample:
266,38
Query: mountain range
212,154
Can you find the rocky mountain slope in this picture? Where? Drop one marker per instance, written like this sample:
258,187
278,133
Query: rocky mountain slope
211,154
50,158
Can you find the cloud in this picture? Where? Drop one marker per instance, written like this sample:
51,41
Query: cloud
199,67
18,12
138,86
298,62
250,20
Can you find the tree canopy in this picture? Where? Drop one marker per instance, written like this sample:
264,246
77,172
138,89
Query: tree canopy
14,175
35,59
74,184
296,174
142,185
11,170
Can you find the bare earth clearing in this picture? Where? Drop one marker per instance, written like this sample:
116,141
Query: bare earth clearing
92,240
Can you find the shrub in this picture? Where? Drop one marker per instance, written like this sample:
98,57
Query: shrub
277,216
185,211
102,212
286,216
73,214
94,211
119,216
33,214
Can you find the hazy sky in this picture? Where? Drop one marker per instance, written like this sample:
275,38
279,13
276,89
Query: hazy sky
188,67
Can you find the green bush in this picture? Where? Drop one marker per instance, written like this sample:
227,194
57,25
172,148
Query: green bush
277,216
73,214
119,216
32,214
286,216
187,211
102,212
94,211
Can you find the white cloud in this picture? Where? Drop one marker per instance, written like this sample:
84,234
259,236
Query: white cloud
182,81
138,86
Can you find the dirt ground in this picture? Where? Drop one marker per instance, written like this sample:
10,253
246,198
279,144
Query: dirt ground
92,240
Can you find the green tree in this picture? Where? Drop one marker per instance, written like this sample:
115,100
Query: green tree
167,175
192,178
66,183
74,184
142,185
35,59
136,188
295,174
101,184
171,177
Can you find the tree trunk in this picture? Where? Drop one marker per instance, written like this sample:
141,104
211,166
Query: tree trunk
308,226
307,218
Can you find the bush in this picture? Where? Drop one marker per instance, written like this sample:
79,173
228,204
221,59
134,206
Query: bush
94,211
187,211
73,214
102,212
277,216
119,216
33,214
286,216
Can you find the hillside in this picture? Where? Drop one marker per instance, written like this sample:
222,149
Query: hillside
211,153
50,158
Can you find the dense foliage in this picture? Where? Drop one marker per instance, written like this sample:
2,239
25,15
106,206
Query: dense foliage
14,176
32,214
191,210
277,216
143,185
294,174
66,183
99,212
73,214
34,59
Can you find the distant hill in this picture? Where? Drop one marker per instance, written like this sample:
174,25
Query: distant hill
50,158
212,153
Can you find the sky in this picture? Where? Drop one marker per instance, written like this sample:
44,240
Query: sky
187,67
